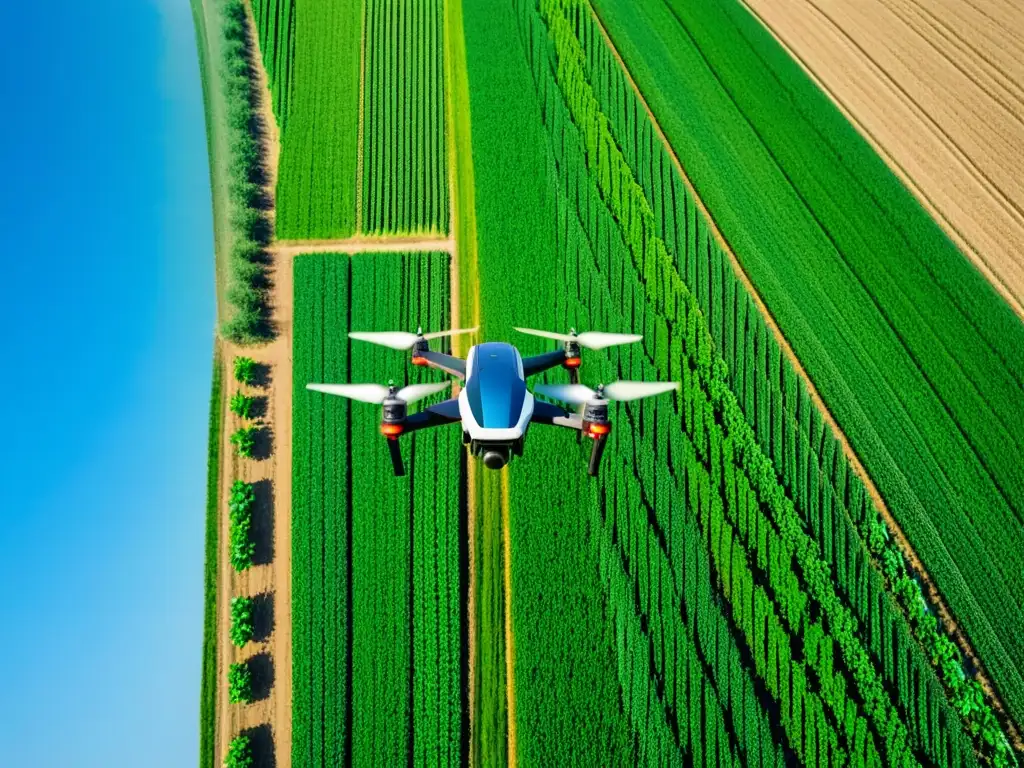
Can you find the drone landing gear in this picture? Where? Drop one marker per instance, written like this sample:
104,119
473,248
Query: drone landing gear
396,457
595,454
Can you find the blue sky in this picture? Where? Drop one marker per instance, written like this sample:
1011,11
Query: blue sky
106,321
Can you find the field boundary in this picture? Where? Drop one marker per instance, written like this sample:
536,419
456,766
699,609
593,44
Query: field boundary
935,598
954,234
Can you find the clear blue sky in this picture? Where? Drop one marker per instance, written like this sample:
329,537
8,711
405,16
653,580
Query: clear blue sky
106,322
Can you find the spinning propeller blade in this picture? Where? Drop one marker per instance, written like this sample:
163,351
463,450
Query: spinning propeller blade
624,391
587,339
621,391
415,392
403,339
393,339
364,393
377,393
567,393
453,332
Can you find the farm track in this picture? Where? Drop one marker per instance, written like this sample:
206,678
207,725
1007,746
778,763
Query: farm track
889,66
934,596
271,577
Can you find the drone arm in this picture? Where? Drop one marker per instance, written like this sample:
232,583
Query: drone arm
541,363
453,365
434,416
555,416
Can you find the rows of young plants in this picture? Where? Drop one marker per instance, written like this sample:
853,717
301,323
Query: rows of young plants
275,29
859,730
789,429
916,356
246,321
858,590
567,699
316,186
377,675
405,168
208,685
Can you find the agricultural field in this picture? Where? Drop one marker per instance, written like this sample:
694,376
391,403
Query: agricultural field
811,553
376,566
405,168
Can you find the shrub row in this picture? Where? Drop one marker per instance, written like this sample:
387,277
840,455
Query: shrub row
248,225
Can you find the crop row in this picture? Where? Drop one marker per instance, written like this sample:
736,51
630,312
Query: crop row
405,168
376,578
275,28
208,686
618,199
320,130
918,358
919,697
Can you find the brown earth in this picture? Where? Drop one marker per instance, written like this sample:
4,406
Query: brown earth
931,591
364,244
937,87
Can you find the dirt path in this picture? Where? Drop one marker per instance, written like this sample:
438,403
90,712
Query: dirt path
270,578
363,244
934,596
938,90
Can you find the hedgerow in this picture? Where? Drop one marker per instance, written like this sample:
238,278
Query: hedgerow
245,292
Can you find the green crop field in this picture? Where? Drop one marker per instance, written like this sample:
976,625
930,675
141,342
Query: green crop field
917,357
405,169
730,591
312,53
375,562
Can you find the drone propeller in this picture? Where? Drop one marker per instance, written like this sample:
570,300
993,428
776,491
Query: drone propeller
620,391
377,393
587,339
403,339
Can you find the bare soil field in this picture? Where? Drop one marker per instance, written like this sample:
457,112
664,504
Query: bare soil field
938,89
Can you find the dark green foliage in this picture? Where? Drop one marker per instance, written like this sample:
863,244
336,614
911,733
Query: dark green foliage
318,110
405,156
242,611
244,440
246,322
208,690
375,558
239,753
242,405
240,505
240,683
245,370
915,354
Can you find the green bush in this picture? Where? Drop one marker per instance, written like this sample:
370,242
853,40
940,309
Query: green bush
241,405
242,627
244,439
245,370
239,753
246,323
240,505
240,683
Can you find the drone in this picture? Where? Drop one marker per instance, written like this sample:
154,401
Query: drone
495,407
